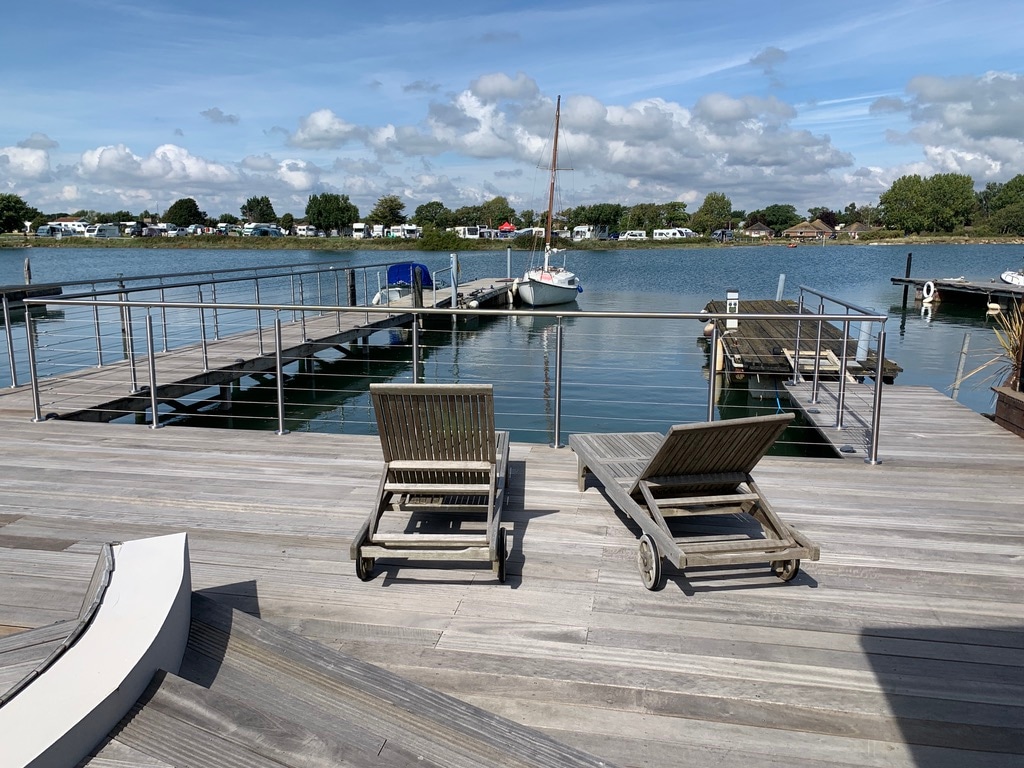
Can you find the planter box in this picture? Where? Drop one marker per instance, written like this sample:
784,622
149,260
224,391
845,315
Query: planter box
1010,409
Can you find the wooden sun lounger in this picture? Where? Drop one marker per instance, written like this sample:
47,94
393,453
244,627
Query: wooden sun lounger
445,468
694,470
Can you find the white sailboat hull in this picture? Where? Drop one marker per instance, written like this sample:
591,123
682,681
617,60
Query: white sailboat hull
540,288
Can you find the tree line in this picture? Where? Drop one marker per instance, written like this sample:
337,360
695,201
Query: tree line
944,203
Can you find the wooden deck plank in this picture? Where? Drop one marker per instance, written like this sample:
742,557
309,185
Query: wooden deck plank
900,647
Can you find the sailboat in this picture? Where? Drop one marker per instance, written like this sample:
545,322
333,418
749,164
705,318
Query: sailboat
546,285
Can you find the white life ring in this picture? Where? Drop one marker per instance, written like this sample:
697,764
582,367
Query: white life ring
928,292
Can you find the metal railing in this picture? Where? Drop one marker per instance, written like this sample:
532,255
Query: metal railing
174,327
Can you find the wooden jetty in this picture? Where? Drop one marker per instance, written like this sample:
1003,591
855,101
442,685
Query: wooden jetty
108,392
902,647
766,347
958,289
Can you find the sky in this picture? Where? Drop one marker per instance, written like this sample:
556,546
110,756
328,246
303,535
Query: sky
114,105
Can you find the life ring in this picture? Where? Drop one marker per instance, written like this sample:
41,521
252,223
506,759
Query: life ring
928,292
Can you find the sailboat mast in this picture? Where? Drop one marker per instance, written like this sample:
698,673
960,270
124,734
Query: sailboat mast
551,187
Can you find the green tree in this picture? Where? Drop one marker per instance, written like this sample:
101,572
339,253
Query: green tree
184,212
904,204
529,218
779,217
496,212
388,211
14,212
227,218
826,215
950,201
259,209
331,211
714,213
287,222
434,213
468,216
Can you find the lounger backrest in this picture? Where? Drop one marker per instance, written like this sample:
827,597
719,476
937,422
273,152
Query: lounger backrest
427,422
732,446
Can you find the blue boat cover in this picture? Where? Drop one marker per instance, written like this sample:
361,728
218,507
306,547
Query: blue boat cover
402,274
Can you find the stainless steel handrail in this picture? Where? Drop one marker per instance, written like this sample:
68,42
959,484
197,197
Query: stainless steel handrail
417,314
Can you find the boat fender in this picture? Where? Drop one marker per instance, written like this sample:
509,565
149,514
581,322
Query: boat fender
928,292
579,288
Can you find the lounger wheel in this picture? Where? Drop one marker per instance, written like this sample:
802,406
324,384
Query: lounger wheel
785,569
364,568
502,553
648,560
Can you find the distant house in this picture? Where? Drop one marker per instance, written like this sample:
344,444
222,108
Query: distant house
809,230
759,230
855,230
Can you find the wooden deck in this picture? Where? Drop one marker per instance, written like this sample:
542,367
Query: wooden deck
902,646
766,347
957,289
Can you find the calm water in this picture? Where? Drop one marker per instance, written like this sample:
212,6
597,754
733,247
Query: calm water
640,374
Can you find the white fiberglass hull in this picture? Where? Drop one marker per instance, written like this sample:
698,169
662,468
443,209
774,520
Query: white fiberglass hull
541,288
1013,277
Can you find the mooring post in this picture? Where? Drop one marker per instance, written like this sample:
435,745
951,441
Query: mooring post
906,286
28,271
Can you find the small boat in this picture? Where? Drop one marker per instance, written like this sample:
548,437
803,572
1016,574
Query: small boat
547,285
1013,277
400,281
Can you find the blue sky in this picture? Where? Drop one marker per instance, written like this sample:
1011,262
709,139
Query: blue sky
109,105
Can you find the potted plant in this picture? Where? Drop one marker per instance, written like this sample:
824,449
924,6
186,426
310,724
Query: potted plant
1007,364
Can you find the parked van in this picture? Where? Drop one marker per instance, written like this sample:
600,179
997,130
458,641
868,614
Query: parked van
590,232
633,234
359,230
102,230
468,233
305,230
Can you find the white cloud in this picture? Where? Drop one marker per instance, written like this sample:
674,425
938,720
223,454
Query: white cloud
17,163
323,130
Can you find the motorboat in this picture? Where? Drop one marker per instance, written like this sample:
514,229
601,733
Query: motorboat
1013,277
548,284
400,280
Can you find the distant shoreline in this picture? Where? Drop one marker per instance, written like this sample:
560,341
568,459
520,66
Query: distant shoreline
292,243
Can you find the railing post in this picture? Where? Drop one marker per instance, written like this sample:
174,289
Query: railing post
216,319
163,318
155,421
841,396
259,317
337,296
712,368
37,411
9,333
279,359
876,413
797,378
557,442
302,313
416,349
202,330
96,328
129,333
817,355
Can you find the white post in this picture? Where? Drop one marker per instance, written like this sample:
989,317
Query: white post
732,307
